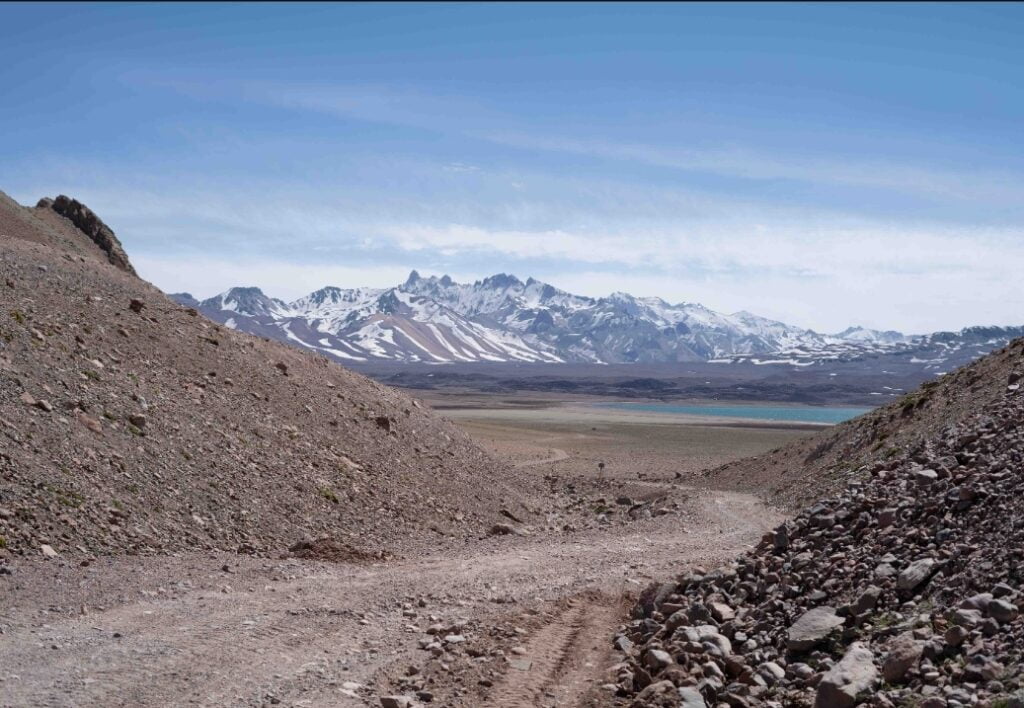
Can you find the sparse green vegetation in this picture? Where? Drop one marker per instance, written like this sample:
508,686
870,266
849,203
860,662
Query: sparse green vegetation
328,494
66,497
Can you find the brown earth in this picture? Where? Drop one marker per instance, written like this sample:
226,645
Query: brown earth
536,608
129,423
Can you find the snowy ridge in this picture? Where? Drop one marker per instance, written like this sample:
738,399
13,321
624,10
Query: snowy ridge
503,319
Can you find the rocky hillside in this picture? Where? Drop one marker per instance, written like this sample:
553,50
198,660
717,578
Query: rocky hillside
903,589
130,423
503,319
801,472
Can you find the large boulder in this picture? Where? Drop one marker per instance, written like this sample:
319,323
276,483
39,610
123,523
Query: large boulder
852,677
690,697
812,628
904,654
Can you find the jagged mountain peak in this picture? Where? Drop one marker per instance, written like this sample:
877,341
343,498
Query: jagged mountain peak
866,334
501,280
502,318
246,300
245,291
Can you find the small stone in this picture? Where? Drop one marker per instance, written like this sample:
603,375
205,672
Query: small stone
721,612
904,654
867,600
623,644
915,574
925,477
91,423
967,618
1003,611
977,602
656,659
955,636
48,551
780,539
395,702
772,672
690,697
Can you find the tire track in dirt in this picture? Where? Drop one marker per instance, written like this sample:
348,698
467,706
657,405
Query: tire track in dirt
563,657
558,456
527,678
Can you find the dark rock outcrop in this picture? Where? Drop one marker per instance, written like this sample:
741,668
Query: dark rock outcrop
86,221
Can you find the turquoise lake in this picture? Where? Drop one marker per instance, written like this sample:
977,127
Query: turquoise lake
801,414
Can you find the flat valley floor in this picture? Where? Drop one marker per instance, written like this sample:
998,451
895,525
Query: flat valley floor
521,619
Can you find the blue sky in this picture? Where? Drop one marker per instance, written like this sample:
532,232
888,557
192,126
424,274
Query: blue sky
822,164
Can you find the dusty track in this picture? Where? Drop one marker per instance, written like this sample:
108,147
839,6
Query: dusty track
564,656
557,455
296,631
179,630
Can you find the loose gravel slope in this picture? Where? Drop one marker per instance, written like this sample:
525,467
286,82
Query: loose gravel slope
131,424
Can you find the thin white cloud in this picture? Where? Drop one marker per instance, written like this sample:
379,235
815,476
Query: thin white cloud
454,113
820,251
985,187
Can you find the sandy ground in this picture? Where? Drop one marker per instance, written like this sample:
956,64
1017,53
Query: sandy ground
529,617
631,444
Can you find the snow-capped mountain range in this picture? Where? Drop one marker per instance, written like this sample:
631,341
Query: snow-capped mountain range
503,319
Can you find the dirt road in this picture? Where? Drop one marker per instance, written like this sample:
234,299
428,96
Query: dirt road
508,621
181,631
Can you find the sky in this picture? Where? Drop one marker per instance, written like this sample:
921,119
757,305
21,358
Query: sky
826,165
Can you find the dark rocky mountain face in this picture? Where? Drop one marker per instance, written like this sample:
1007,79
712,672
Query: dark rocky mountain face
504,319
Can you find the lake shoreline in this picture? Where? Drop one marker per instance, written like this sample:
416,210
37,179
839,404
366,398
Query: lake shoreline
588,414
761,411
